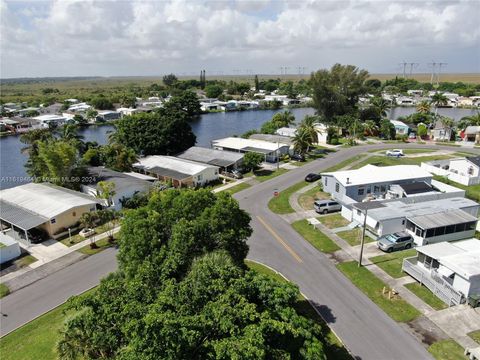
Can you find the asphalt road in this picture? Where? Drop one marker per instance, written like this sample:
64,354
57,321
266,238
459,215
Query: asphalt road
363,327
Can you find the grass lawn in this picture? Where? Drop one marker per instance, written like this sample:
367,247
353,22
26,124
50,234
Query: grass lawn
237,188
426,295
334,348
447,350
307,199
417,151
344,163
101,245
315,237
475,335
397,308
24,260
333,221
4,290
77,238
280,204
354,237
383,160
264,175
392,263
446,143
472,192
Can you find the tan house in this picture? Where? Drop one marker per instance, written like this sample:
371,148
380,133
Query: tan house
44,206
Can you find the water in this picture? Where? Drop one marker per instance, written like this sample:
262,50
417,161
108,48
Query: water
207,128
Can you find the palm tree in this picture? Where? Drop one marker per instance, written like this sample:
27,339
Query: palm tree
370,128
301,142
381,106
285,119
423,107
472,120
439,99
69,132
31,138
308,125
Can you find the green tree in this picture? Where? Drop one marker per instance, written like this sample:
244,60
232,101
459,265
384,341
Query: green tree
301,142
213,91
106,191
387,130
438,99
170,80
257,84
101,103
186,102
472,120
309,126
79,120
380,106
422,130
252,160
117,157
165,132
91,114
128,101
336,91
423,107
370,128
89,220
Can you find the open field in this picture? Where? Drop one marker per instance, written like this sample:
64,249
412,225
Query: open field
472,78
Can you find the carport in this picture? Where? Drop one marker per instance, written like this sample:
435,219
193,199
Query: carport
19,220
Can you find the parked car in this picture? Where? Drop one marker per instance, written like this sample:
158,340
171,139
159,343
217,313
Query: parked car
235,174
87,232
36,235
326,206
394,152
298,157
396,241
312,177
412,135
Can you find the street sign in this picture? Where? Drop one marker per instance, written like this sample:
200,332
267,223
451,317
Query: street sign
275,192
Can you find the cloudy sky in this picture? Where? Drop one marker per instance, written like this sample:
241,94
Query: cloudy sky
111,38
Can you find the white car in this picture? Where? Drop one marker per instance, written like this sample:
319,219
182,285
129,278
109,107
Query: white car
86,232
394,152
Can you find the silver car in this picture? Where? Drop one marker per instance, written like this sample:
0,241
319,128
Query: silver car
326,206
397,241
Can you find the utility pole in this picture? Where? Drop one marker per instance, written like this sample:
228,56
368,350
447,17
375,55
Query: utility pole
363,237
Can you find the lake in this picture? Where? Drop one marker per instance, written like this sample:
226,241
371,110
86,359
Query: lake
207,128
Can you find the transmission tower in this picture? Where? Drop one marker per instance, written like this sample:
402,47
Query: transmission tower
412,66
433,64
439,71
404,68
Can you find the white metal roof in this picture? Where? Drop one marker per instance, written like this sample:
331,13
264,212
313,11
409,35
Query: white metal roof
371,174
462,257
240,143
140,176
49,117
398,123
45,199
173,163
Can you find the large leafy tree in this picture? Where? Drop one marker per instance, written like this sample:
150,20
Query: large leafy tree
309,127
380,106
164,132
336,91
279,120
423,107
252,160
182,292
213,90
170,80
186,102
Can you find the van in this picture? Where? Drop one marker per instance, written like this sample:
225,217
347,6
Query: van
326,206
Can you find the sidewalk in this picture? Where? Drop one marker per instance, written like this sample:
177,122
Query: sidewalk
61,257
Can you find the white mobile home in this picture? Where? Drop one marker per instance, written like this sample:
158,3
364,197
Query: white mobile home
180,172
370,181
465,171
450,270
270,151
225,160
9,248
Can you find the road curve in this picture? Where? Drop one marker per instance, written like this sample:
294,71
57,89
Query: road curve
365,329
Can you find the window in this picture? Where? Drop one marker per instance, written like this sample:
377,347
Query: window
361,191
74,213
326,181
369,189
410,226
383,188
418,232
53,221
470,170
358,212
459,228
430,233
403,222
337,187
199,177
376,189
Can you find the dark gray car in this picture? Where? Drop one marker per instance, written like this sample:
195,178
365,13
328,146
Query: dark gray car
396,241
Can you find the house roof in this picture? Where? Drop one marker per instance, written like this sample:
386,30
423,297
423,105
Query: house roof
121,180
164,165
462,257
398,123
439,219
272,138
211,156
472,130
45,200
404,208
49,117
20,217
371,174
474,160
246,144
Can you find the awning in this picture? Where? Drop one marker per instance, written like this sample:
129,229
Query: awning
20,217
169,173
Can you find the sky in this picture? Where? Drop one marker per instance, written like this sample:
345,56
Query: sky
151,38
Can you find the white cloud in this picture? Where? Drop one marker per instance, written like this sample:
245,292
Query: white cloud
88,37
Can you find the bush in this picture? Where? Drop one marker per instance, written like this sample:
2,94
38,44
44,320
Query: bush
403,138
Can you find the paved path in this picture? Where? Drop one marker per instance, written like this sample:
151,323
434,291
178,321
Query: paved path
365,329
